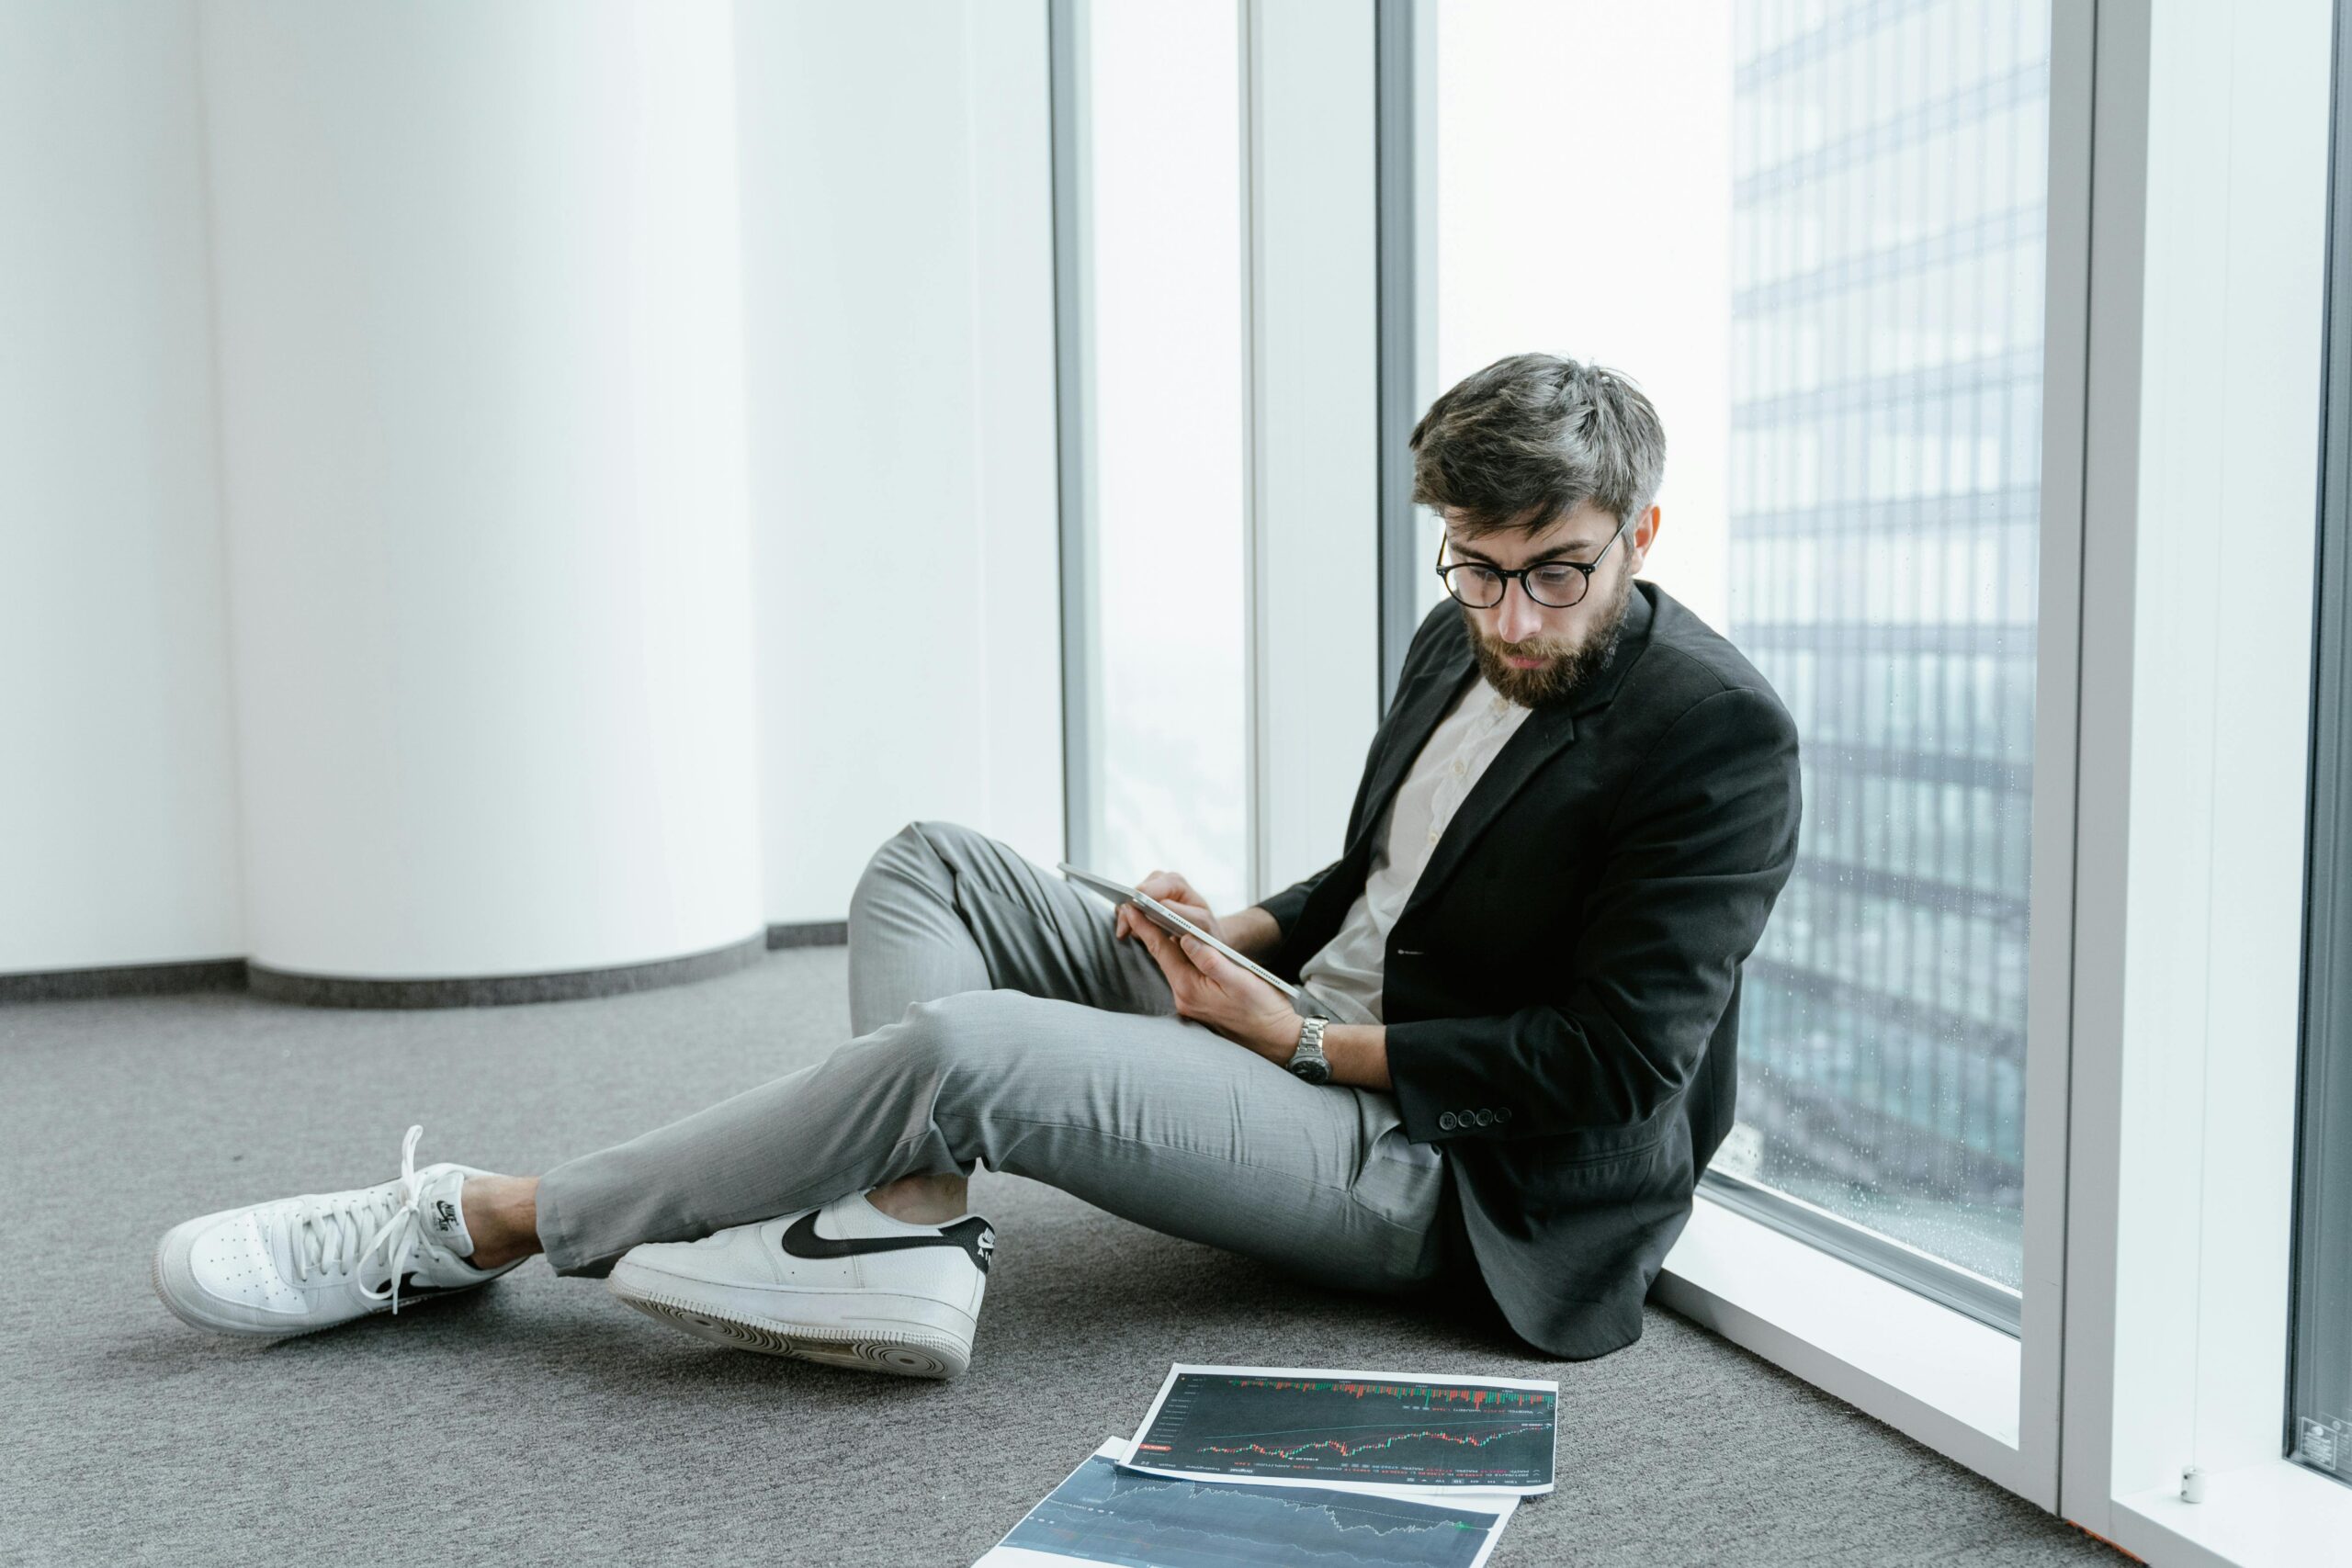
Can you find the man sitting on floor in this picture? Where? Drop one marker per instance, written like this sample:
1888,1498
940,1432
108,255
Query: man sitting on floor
1572,825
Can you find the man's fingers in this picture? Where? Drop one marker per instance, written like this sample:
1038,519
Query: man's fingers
1165,885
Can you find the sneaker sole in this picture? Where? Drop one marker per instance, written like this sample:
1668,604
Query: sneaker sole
905,1353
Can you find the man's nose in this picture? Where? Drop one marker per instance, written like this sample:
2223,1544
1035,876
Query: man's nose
1518,617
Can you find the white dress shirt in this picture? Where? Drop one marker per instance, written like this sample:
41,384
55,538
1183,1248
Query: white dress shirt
1345,975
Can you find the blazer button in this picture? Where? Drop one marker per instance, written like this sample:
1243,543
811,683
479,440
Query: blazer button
1504,1114
1485,1119
1445,1121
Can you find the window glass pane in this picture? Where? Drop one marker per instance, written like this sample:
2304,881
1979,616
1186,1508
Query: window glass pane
1165,672
1813,233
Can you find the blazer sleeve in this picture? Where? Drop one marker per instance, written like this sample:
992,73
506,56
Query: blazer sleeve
1699,850
1287,904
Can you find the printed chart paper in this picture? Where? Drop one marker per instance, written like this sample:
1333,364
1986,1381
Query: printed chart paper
1257,1425
1107,1513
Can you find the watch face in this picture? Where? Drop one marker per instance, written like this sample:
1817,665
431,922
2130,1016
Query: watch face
1314,1069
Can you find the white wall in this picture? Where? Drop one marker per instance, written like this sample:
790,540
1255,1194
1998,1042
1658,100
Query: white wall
898,326
482,432
117,785
475,659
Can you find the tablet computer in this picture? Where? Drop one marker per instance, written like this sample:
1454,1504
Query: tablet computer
1169,920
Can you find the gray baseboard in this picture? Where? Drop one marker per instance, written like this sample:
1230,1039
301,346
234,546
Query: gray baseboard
501,990
125,980
810,933
340,991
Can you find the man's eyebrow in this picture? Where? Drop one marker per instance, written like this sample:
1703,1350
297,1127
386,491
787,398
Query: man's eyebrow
1555,553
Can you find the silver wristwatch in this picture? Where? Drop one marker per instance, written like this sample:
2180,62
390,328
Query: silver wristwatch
1308,1060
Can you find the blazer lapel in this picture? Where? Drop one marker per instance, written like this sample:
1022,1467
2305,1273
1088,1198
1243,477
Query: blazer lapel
1547,732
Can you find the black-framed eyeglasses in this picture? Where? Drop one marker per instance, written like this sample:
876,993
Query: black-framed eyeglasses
1554,585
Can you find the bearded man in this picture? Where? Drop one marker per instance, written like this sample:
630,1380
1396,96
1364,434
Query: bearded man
1512,1054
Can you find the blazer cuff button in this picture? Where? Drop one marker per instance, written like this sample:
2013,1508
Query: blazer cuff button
1445,1121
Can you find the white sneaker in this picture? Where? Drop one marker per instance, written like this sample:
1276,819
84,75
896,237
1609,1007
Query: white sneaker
299,1265
844,1284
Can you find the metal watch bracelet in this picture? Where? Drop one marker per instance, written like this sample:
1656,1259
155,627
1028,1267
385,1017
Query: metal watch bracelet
1308,1061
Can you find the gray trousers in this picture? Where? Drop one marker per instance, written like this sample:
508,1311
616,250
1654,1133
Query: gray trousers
998,1021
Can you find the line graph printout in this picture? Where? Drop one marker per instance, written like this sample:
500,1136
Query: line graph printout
1376,1428
1107,1513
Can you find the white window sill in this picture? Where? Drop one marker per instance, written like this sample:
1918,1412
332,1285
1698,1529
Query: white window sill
2268,1515
1932,1373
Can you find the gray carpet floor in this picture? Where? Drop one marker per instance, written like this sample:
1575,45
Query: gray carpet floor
541,1422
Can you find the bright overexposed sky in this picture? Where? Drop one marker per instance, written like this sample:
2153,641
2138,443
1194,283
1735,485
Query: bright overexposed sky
1584,208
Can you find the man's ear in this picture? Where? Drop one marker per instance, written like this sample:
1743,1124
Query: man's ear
1644,535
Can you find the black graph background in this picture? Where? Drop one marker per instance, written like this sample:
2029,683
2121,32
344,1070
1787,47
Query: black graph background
1103,1513
1400,1432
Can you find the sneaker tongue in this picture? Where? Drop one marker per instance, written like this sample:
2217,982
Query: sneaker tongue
443,1215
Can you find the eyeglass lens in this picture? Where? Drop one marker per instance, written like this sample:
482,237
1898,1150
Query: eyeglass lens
1481,588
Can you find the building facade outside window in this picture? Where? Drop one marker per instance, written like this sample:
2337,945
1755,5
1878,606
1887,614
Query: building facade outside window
1885,509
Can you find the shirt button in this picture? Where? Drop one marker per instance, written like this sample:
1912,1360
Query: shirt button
1460,767
1445,1121
1432,835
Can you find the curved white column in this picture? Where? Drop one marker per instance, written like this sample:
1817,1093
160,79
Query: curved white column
479,298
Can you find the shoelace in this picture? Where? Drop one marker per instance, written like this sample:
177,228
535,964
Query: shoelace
328,1237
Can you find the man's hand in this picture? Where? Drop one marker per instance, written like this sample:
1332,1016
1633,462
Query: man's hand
1211,988
1170,889
1252,931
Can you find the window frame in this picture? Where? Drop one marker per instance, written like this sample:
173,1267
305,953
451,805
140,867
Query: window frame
2188,982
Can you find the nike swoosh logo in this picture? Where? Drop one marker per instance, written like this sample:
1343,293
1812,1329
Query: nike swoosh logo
972,1233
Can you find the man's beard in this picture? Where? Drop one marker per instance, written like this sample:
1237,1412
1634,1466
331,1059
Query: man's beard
1571,670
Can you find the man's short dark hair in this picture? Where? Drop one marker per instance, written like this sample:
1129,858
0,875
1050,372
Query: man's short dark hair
1528,439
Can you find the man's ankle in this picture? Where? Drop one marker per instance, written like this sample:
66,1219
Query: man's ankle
922,1200
501,1214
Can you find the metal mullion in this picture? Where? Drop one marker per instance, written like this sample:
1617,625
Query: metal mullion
1398,115
2323,1183
1074,416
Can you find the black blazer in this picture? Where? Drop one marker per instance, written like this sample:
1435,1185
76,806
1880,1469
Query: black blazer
1562,988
